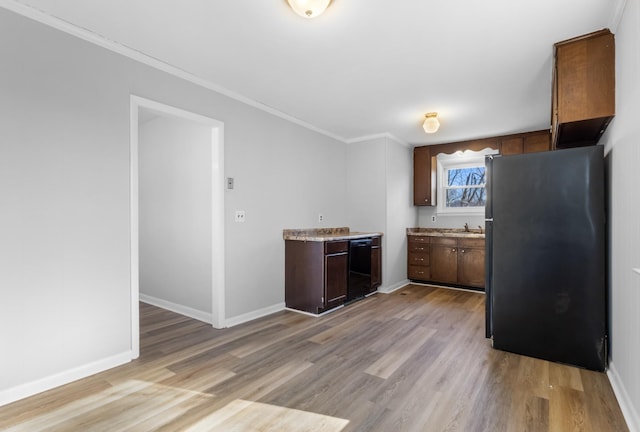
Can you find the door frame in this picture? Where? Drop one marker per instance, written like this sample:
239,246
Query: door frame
217,212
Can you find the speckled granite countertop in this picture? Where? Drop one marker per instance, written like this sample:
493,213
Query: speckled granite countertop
325,234
446,232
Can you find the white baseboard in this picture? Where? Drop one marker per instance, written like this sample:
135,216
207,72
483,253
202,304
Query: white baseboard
177,308
31,388
626,404
254,315
395,287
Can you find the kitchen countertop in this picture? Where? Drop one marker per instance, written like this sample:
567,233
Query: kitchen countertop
325,234
446,232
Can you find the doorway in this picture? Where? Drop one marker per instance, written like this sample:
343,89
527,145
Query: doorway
157,119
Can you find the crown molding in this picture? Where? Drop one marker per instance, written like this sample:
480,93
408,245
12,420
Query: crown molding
378,136
617,14
96,39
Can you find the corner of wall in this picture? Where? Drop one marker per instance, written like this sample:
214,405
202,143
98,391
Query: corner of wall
626,405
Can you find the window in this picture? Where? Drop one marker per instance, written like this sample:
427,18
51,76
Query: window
461,182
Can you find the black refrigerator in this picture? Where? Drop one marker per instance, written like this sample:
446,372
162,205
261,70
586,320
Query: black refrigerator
545,255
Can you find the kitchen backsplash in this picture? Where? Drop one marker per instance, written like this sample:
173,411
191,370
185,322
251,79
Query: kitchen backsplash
425,215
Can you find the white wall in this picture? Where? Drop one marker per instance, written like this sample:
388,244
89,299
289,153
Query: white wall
401,214
366,185
175,199
447,221
64,192
623,146
380,198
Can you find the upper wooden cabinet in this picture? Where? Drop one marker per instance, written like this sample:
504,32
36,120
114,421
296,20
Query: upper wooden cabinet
531,142
422,184
425,165
583,100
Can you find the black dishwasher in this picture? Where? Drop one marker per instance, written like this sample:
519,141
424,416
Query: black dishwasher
359,268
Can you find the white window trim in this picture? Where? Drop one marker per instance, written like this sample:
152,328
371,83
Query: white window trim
458,159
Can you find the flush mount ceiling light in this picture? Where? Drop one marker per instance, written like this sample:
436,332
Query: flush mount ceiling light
431,123
309,8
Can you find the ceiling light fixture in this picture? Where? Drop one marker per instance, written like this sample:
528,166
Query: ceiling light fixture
309,8
431,123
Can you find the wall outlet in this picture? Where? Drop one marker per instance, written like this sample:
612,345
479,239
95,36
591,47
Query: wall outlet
320,217
433,218
229,182
240,216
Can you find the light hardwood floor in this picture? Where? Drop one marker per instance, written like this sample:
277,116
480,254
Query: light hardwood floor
414,360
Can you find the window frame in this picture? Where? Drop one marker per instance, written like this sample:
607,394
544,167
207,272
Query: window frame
457,160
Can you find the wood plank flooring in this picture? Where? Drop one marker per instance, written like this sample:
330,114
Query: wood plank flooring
414,360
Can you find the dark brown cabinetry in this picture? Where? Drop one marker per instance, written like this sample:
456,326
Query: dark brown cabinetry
444,259
471,262
422,182
455,261
583,97
425,165
336,270
317,273
418,263
526,143
376,264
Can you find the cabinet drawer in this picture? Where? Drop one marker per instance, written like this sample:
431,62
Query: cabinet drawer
418,259
418,239
445,241
333,247
375,241
418,247
419,272
471,242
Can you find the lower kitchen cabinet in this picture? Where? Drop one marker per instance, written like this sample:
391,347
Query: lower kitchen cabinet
456,261
418,263
444,259
317,274
336,269
471,262
376,264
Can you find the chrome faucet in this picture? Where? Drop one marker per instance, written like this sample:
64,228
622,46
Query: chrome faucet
480,226
466,227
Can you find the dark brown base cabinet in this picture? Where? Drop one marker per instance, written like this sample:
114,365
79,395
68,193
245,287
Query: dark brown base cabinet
317,273
456,261
376,264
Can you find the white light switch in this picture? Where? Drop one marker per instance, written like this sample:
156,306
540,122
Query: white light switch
240,216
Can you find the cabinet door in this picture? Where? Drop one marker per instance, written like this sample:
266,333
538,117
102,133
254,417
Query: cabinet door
583,89
422,176
537,143
336,269
444,262
511,146
471,266
376,268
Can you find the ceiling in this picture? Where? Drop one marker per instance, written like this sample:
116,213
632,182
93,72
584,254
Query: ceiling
365,67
